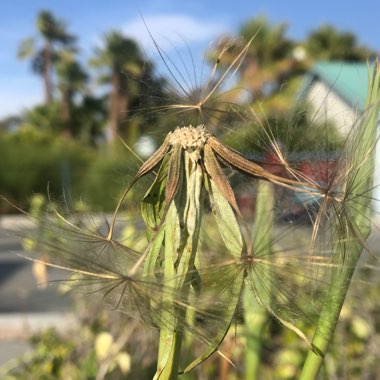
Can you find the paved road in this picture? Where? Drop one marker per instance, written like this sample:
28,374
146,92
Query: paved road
19,292
24,307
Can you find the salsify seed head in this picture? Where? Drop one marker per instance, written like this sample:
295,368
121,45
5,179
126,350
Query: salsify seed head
191,138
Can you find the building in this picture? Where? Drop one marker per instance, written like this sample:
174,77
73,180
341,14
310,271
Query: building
337,92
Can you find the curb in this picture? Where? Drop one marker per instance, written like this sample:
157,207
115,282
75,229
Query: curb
15,222
23,325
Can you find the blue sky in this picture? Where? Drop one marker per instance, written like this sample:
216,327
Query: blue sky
170,21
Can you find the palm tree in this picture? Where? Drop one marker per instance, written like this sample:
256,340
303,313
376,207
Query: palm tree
268,56
52,32
122,59
328,43
72,79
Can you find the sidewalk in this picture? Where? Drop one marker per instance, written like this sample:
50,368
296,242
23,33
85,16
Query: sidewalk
24,308
17,328
14,222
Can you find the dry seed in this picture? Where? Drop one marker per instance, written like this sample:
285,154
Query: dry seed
174,173
217,175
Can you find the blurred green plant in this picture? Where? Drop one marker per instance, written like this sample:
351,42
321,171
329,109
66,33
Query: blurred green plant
62,169
40,168
94,349
328,43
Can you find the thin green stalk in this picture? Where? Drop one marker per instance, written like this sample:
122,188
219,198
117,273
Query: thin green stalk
350,229
255,316
182,227
170,341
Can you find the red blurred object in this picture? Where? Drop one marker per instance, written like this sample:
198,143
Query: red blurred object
315,169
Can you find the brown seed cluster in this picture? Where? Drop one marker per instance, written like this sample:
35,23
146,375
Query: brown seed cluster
191,138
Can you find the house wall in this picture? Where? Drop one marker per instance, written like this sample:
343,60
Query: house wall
328,106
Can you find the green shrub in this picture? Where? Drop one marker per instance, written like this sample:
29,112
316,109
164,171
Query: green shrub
34,162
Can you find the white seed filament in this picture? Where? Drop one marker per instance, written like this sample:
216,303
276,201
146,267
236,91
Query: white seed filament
191,138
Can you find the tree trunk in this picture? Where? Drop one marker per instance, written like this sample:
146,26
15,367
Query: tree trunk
47,73
252,76
123,110
114,106
66,112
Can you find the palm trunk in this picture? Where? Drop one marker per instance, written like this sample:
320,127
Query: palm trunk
66,112
47,73
129,133
252,76
114,106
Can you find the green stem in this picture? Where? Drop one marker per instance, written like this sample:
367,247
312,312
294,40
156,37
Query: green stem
170,342
254,326
171,338
330,314
169,352
256,317
351,227
182,227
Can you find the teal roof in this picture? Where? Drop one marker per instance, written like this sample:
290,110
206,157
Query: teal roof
348,80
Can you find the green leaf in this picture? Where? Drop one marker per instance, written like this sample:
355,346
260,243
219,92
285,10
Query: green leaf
227,223
214,282
222,288
152,205
154,253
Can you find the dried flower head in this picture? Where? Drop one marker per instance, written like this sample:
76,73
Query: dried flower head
208,151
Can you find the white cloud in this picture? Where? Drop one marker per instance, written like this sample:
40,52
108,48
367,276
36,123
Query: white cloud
172,31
